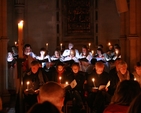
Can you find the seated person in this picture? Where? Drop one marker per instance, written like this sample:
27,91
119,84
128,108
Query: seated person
60,74
29,56
56,56
85,58
71,56
126,91
137,72
43,58
135,106
76,80
32,81
123,73
45,107
67,51
52,92
97,87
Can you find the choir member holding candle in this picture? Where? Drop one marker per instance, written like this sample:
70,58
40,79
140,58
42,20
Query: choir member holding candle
60,74
32,81
77,82
97,88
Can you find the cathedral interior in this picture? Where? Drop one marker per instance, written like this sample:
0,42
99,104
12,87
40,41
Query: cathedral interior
55,23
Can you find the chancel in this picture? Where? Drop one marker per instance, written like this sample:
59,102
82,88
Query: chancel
63,33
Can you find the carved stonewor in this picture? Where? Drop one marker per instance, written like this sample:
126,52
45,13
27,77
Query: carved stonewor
78,16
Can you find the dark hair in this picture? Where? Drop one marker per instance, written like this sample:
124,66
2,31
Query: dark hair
125,92
45,107
135,106
75,64
27,45
138,64
35,62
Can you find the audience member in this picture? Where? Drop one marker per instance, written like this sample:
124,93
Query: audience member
135,106
126,91
53,93
32,81
137,72
45,107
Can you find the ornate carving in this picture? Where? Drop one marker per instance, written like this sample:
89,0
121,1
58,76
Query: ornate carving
78,16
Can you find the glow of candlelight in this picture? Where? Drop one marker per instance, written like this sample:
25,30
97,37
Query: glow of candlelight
15,43
116,51
67,83
60,79
47,46
89,44
93,80
135,79
92,52
109,44
27,84
61,45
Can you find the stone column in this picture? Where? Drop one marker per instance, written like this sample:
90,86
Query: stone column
133,36
3,50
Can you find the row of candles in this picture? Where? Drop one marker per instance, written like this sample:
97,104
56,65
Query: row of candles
60,78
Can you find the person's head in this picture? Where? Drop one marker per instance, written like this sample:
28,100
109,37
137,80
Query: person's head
84,50
57,53
60,67
70,45
52,92
138,68
45,107
122,66
135,106
75,67
42,51
116,62
27,49
99,51
35,66
125,92
72,52
99,67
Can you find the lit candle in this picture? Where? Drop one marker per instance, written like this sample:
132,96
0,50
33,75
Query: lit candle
67,83
109,44
89,45
60,78
15,43
92,52
135,79
116,52
20,38
61,45
46,46
93,82
27,83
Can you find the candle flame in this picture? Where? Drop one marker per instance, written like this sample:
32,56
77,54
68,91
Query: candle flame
60,78
27,82
93,79
109,44
135,79
46,44
89,44
15,43
20,24
66,83
61,44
